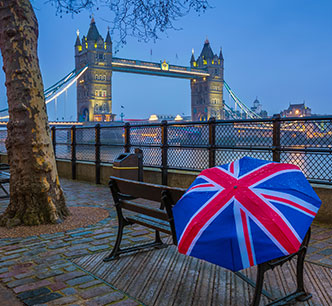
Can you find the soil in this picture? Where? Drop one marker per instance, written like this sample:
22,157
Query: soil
80,217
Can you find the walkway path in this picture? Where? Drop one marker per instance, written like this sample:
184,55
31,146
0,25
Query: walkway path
39,269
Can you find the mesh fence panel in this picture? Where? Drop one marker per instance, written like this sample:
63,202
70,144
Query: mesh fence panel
257,134
112,135
145,135
3,136
151,156
227,156
109,153
85,135
85,152
313,134
193,135
63,135
63,151
188,158
315,166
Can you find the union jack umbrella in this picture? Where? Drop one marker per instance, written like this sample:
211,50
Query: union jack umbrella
245,213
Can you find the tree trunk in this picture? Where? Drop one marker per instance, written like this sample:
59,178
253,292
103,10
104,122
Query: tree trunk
35,193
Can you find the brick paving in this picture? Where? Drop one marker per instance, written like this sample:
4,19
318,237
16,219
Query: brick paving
38,269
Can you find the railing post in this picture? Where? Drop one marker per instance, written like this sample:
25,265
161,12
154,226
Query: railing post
276,138
97,152
212,142
127,137
164,149
73,152
53,131
139,154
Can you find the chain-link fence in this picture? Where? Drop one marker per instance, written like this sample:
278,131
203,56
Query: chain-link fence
306,142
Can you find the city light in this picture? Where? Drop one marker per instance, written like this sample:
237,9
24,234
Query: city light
153,118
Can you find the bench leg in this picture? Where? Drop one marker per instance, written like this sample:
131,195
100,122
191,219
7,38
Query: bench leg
299,270
158,242
116,250
259,284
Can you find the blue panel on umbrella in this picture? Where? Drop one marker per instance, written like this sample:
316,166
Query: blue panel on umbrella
264,248
212,245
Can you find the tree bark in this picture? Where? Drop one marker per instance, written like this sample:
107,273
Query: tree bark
35,193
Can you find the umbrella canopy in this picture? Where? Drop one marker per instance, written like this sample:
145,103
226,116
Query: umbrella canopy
245,213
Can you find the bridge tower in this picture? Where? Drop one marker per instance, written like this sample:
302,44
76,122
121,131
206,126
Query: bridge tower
94,88
207,92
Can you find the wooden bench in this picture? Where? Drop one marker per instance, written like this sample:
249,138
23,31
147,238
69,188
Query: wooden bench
4,179
158,216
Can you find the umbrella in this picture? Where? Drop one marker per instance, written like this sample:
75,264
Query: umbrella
245,213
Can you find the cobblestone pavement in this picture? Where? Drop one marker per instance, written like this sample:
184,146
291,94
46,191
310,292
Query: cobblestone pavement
38,269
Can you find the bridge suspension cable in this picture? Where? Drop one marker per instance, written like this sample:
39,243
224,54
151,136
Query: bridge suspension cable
53,91
251,114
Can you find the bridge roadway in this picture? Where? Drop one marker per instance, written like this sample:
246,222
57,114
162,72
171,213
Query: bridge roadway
159,69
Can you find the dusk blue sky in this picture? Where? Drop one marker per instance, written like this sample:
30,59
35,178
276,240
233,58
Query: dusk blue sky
277,50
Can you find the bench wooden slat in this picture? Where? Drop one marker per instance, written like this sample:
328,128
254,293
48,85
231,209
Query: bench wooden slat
147,191
150,222
143,209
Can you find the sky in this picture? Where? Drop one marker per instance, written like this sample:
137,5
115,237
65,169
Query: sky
277,50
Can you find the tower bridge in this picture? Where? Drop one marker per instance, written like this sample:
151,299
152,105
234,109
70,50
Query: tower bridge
95,64
94,87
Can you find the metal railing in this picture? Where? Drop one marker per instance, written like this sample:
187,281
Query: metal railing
306,142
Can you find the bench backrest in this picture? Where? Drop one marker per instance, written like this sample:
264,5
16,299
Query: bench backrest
146,191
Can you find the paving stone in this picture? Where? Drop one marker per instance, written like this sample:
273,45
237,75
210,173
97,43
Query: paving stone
57,286
75,247
69,291
312,249
33,293
138,239
103,241
7,263
67,276
16,251
314,257
43,299
326,252
99,247
24,275
139,233
63,301
32,286
90,284
20,282
80,280
103,235
48,274
105,299
3,270
95,291
71,268
327,261
10,257
81,233
57,246
76,253
84,240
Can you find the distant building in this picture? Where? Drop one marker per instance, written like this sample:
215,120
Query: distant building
258,109
240,114
296,110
